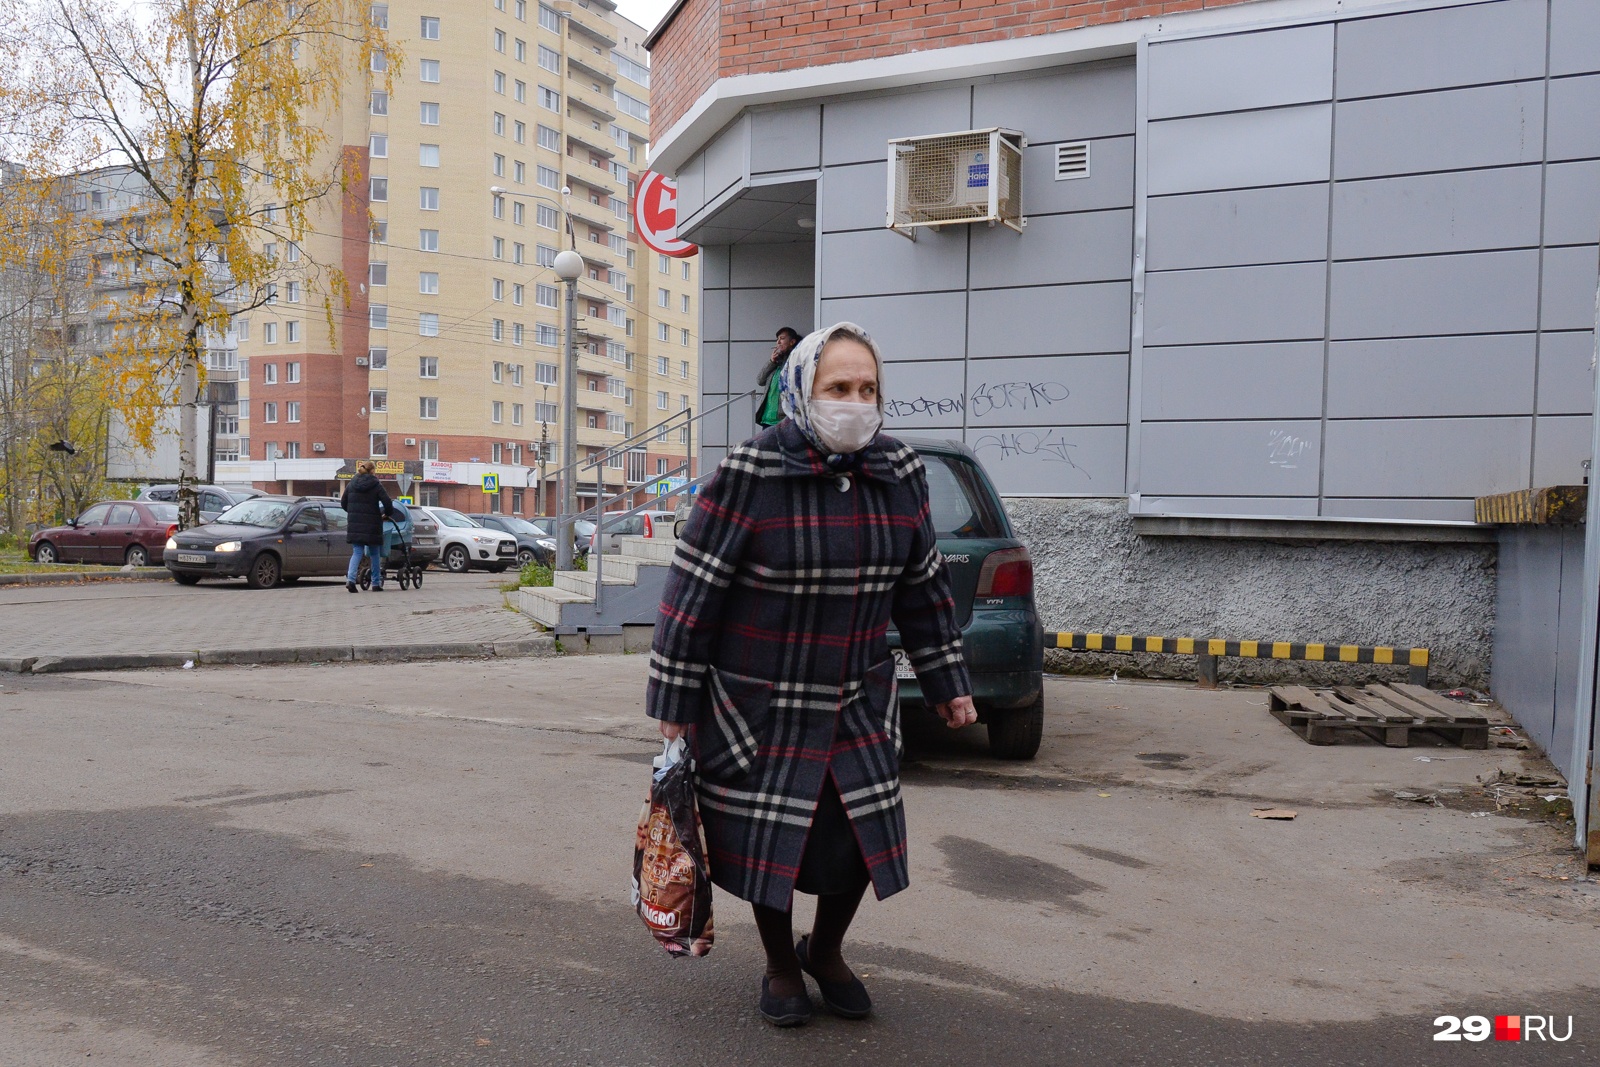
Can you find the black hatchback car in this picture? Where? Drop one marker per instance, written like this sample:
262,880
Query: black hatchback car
265,540
991,577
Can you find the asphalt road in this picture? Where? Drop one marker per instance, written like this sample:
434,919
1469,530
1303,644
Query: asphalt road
427,864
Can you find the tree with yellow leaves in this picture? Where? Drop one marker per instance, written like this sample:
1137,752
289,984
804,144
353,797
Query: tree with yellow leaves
183,137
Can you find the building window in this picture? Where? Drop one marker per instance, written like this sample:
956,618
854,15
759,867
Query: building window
291,332
428,198
548,177
379,15
377,274
683,338
497,410
662,363
430,28
683,369
380,232
428,282
663,298
520,50
378,190
519,132
516,374
499,165
269,412
686,270
378,146
549,19
378,358
550,59
269,374
548,138
549,99
522,16
497,329
518,249
684,310
497,288
500,41
519,172
499,124
241,329
379,103
291,373
428,407
497,206
378,400
546,296
428,70
517,207
496,371
292,292
291,411
663,333
499,248
429,450
631,106
500,82
377,444
516,293
428,240
663,266
427,155
496,451
427,366
637,73
544,412
520,92
516,414
428,324
544,373
544,255
430,113
378,316
661,400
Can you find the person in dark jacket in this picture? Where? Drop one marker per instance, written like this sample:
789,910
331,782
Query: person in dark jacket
368,504
771,412
770,653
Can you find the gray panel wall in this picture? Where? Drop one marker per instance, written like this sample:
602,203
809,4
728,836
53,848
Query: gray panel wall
1363,235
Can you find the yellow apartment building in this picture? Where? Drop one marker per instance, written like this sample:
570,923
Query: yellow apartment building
504,121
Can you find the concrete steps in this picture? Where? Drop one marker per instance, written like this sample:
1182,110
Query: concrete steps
634,579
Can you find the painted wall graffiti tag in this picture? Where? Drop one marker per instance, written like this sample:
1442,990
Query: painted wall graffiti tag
1049,446
1284,449
985,399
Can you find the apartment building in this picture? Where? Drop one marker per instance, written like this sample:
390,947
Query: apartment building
510,129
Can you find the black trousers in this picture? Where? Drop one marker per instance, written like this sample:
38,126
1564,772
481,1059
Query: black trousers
832,861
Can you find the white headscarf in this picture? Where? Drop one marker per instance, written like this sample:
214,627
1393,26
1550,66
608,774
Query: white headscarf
799,374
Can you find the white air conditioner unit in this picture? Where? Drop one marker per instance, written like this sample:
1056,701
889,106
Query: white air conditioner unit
947,178
318,446
361,361
412,442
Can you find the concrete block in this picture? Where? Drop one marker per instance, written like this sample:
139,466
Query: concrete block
637,638
219,656
16,665
439,650
324,654
603,644
109,662
538,646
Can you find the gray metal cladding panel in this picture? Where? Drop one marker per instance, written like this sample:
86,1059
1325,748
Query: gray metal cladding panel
742,420
714,315
1277,458
756,314
923,393
871,262
1109,183
1262,506
926,325
1437,49
712,455
1484,292
1235,151
725,159
1426,376
1261,381
1237,227
1572,203
786,139
1561,445
1427,457
713,429
746,358
714,266
1570,276
1434,510
1574,103
1196,307
1092,246
772,265
1569,647
1458,211
1574,37
1566,381
1452,130
855,198
1064,105
1049,320
714,366
1048,390
1054,460
858,130
1240,71
691,181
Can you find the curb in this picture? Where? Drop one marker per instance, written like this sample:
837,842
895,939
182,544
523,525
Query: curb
531,648
143,574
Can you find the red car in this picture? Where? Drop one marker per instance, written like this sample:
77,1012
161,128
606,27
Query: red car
113,531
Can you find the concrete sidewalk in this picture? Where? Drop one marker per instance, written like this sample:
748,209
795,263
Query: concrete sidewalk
111,625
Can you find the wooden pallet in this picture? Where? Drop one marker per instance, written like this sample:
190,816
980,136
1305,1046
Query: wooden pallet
1386,713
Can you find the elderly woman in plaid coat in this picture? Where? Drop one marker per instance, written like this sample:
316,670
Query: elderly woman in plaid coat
809,540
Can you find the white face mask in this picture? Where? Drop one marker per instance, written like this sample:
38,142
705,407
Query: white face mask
844,425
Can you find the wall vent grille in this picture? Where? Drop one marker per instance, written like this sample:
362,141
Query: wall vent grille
1072,160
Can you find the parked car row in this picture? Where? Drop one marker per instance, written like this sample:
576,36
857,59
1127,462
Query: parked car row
132,532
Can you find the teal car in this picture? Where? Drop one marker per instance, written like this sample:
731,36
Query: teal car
991,576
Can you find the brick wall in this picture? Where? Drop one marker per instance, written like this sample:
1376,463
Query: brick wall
708,40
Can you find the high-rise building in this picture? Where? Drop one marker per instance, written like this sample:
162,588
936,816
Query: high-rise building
510,129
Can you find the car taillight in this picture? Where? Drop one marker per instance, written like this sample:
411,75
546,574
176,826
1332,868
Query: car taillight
649,527
1007,572
172,530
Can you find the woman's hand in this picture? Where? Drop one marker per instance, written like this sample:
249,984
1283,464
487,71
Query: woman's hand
674,730
956,714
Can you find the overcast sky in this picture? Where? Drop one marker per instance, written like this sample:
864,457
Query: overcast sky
645,12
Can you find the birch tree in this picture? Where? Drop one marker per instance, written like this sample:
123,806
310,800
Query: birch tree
212,113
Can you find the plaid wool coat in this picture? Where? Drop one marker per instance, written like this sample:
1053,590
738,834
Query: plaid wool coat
771,642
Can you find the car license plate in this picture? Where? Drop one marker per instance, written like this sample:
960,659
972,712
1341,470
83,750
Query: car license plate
190,557
507,549
902,664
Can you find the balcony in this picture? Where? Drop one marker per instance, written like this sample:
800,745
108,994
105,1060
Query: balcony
592,66
591,101
594,141
590,23
597,215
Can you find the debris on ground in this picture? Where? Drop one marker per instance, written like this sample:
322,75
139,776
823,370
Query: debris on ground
1283,814
1419,798
1468,696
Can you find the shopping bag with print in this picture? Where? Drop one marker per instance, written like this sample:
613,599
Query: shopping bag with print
671,882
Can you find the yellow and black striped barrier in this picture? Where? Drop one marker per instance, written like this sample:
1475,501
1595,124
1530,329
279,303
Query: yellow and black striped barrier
1209,649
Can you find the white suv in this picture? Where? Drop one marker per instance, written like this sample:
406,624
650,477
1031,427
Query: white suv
463,544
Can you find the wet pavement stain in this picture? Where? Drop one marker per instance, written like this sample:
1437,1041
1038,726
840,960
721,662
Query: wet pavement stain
986,871
1131,862
1163,761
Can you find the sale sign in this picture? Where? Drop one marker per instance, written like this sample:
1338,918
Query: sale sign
655,212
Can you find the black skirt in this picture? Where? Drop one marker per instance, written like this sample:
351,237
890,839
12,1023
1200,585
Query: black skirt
832,860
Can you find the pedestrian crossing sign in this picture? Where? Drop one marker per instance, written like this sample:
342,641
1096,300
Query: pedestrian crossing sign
491,483
407,501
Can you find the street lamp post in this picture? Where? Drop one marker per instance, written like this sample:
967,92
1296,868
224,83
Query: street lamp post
569,268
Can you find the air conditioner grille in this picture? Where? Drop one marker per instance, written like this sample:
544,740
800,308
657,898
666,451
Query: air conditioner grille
1072,160
972,176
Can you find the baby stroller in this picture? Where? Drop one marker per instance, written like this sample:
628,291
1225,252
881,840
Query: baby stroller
399,558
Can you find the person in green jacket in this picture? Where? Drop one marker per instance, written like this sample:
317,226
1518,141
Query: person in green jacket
771,412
